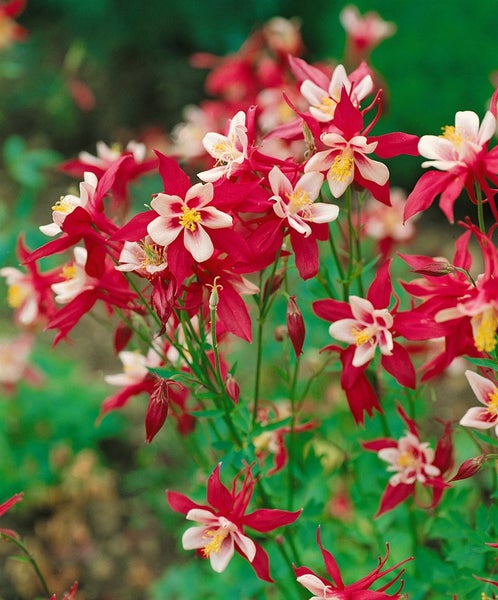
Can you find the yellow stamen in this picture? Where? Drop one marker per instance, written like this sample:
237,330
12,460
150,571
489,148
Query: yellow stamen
493,401
153,256
484,326
298,200
16,295
406,459
69,272
63,206
190,218
327,105
225,151
342,167
451,134
285,112
217,536
362,336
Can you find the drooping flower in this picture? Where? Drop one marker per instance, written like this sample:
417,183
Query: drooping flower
222,522
323,589
486,416
145,258
189,216
6,506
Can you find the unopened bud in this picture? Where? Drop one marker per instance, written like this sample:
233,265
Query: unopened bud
469,467
438,268
232,388
295,326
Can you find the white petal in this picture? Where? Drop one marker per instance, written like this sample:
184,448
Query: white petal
219,560
479,418
481,386
198,243
161,232
194,538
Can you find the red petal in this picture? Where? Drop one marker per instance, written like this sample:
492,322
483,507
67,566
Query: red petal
180,503
175,181
394,495
330,563
268,519
218,495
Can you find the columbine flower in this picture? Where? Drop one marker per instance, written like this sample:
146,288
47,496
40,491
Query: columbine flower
364,33
410,461
368,329
324,589
323,102
229,150
145,257
461,160
486,392
345,159
189,216
413,462
296,203
68,203
76,278
221,529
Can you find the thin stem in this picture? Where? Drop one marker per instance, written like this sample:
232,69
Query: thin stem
30,557
480,211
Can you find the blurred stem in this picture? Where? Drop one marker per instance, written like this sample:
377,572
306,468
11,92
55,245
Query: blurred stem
338,264
29,556
480,211
291,458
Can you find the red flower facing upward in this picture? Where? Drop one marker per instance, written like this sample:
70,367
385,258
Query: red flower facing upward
324,589
412,461
222,522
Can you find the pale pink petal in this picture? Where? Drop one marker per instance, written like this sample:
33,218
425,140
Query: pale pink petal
364,353
299,224
322,213
342,330
338,81
161,231
467,124
372,170
487,129
279,183
215,219
479,418
245,544
313,584
310,183
481,386
313,93
166,205
198,243
338,187
333,140
213,174
361,308
202,515
320,161
202,191
194,538
437,147
220,559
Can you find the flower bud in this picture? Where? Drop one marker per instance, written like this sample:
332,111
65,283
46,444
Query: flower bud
469,467
295,326
157,409
232,388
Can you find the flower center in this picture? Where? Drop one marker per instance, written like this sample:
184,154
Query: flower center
225,151
69,272
327,105
217,536
451,134
484,326
190,218
63,206
298,200
16,295
362,336
407,460
342,167
153,256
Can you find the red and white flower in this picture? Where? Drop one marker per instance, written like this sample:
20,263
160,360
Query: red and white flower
412,460
323,102
222,522
482,417
229,150
76,279
296,203
189,216
68,203
368,329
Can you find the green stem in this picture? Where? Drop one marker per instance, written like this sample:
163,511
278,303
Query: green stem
291,452
30,557
480,211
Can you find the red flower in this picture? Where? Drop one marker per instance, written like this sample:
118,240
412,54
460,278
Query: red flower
324,589
412,462
223,520
6,506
